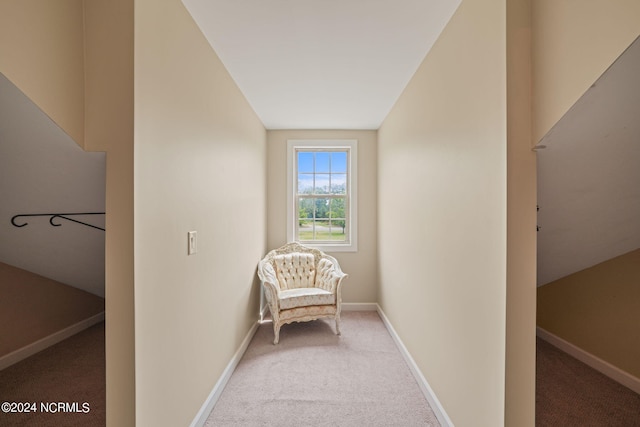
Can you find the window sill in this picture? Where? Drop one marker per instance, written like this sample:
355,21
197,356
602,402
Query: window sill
329,247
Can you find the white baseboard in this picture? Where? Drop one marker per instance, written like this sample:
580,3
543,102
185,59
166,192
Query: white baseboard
212,399
426,389
604,367
35,347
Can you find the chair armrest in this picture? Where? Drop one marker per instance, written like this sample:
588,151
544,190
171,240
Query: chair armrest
266,272
329,276
271,292
271,289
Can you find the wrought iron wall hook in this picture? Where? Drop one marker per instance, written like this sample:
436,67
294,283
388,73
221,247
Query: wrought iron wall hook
13,221
51,221
72,220
59,215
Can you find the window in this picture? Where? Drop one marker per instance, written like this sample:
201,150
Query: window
322,194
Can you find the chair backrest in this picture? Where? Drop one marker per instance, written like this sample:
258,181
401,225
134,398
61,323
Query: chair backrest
293,265
295,270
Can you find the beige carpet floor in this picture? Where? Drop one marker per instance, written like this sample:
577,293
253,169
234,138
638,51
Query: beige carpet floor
277,385
72,371
315,378
570,393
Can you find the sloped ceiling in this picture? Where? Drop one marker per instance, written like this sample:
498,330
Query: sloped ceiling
43,170
589,175
321,64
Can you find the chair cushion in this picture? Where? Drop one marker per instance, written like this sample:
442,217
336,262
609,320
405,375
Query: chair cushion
295,270
304,297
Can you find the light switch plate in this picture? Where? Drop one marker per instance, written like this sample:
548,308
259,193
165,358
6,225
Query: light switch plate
192,242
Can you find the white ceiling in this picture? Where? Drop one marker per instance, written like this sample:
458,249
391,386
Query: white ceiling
321,64
589,175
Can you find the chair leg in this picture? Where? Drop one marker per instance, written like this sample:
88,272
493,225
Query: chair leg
276,333
338,324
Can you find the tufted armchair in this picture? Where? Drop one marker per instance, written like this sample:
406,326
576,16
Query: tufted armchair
301,284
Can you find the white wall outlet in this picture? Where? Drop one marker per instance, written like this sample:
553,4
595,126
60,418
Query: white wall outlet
192,242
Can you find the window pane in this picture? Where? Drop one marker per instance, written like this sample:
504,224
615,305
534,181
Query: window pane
321,208
305,218
321,230
305,231
305,209
322,162
336,209
336,234
338,223
305,161
338,183
322,183
339,161
305,183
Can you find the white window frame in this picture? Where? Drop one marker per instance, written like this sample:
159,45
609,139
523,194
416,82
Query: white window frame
351,145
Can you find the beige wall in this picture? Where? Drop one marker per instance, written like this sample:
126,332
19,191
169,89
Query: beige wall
43,37
447,132
41,51
442,215
574,42
520,386
109,127
200,164
602,318
361,285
